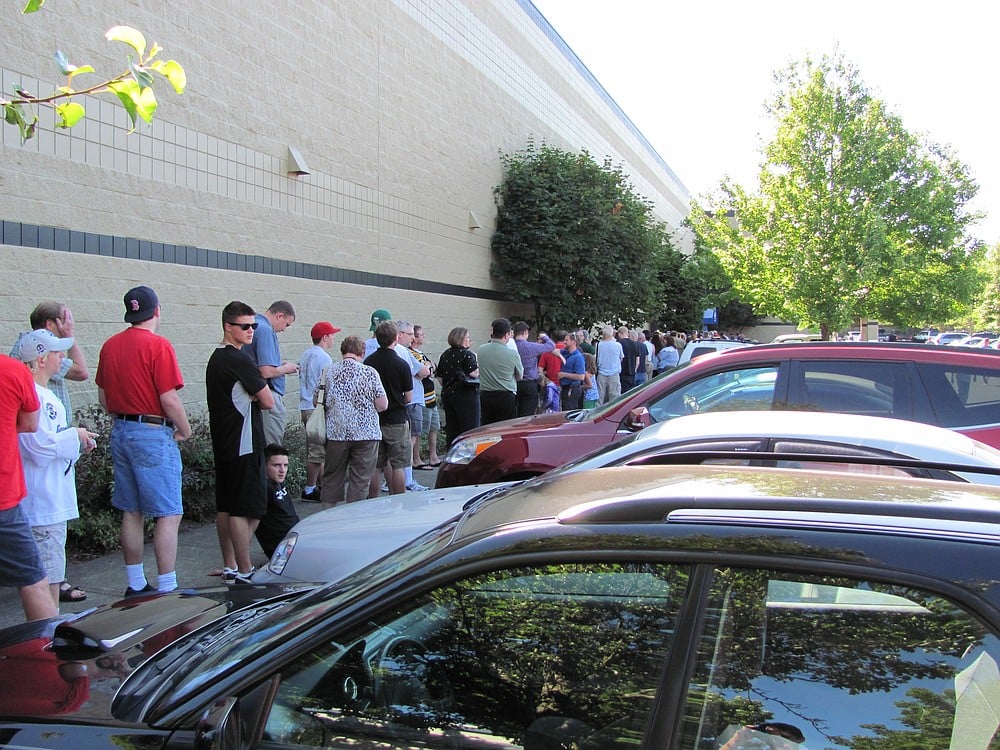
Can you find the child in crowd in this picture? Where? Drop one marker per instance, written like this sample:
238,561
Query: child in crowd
281,515
48,455
590,393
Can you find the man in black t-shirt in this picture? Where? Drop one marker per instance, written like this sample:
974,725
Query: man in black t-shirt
281,515
397,380
236,393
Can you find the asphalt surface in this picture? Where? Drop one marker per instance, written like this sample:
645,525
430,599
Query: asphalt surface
103,578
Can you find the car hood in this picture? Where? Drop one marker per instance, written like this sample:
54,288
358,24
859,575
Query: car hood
514,427
72,666
336,542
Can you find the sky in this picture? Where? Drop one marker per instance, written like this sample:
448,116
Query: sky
694,76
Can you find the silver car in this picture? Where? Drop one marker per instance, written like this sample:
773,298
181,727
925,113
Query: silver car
331,544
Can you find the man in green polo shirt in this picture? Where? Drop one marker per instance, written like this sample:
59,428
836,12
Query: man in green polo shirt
499,370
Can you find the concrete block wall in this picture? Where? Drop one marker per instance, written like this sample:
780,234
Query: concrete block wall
400,109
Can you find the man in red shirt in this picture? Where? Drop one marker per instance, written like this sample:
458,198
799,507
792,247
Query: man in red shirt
138,380
20,564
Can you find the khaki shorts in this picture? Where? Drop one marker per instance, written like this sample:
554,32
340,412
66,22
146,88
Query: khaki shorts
394,448
315,452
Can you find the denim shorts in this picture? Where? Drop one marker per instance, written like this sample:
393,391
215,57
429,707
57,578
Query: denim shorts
415,416
20,564
432,420
147,463
51,541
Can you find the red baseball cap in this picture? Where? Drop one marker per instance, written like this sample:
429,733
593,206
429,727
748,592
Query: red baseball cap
323,328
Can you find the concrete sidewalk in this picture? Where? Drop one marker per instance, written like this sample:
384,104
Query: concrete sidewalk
103,578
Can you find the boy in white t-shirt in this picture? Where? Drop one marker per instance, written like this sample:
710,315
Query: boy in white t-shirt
48,455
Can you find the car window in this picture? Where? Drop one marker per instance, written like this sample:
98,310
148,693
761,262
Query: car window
838,449
747,388
801,662
879,389
535,658
962,396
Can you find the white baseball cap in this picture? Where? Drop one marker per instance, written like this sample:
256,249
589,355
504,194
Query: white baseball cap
34,344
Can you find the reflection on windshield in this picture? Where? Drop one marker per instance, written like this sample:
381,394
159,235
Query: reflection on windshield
199,660
599,411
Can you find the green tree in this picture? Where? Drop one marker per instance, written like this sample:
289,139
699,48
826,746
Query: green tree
988,302
133,86
575,240
856,216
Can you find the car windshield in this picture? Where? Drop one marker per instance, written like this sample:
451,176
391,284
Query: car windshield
198,660
599,411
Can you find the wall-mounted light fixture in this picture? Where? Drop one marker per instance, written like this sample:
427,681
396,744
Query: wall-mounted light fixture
474,221
296,163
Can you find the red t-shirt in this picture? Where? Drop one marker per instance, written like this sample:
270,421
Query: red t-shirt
17,394
135,367
550,363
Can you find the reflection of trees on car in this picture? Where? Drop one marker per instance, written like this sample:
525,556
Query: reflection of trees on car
853,637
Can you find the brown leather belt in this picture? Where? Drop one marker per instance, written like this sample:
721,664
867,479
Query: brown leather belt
147,418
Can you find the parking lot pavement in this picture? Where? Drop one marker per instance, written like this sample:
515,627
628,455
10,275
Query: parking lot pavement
103,578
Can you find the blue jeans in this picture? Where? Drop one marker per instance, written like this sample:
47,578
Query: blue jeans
147,464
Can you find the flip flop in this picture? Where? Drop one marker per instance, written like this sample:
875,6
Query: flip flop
71,593
435,464
424,467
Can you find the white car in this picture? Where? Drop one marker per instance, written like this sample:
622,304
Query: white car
333,543
949,338
694,349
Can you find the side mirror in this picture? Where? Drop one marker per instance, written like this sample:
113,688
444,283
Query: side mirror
219,727
638,419
233,723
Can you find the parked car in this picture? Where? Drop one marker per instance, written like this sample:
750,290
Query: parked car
949,337
701,347
789,338
957,389
925,335
330,544
675,607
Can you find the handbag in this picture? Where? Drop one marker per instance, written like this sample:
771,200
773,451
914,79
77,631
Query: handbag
316,424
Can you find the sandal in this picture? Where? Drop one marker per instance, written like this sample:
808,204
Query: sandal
70,593
424,467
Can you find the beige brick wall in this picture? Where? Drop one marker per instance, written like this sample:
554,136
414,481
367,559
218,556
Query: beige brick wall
399,107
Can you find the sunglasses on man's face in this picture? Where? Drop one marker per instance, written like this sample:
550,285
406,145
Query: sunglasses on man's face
246,326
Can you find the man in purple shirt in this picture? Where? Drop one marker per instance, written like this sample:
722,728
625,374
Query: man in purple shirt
527,386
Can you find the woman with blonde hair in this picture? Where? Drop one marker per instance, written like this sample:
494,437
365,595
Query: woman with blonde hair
458,370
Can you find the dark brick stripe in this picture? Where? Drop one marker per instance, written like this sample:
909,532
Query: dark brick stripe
112,246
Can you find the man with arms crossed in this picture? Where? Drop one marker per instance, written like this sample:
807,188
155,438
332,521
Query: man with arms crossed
236,393
138,380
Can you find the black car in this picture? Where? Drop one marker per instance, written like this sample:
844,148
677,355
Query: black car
644,607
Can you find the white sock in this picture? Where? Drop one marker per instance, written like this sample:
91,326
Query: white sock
408,472
167,581
308,490
136,576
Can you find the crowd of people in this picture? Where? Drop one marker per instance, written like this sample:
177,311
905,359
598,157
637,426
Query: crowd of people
381,403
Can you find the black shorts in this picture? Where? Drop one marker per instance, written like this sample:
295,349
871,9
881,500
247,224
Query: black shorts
241,487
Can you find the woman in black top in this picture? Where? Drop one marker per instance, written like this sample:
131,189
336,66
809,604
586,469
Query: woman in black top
458,370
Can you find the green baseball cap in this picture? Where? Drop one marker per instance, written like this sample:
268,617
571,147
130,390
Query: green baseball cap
379,316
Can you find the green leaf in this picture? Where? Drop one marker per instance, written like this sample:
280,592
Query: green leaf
71,113
173,72
12,114
146,104
142,76
33,5
129,36
82,69
126,91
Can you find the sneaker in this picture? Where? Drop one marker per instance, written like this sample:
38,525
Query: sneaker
416,487
243,579
228,575
385,487
129,591
311,497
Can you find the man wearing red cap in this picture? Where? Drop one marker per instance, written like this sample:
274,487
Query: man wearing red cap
311,365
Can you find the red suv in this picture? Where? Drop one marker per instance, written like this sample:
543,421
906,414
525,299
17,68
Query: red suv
944,386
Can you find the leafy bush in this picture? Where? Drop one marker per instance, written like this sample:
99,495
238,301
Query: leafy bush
97,529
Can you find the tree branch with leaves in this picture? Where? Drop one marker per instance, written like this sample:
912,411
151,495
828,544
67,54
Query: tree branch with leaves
133,86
